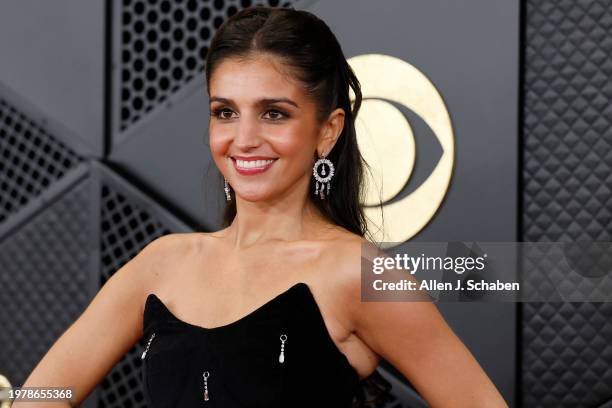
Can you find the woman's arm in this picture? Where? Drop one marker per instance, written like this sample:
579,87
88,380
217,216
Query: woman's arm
414,337
110,325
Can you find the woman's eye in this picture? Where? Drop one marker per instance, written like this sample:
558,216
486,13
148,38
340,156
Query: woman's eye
221,113
276,115
226,114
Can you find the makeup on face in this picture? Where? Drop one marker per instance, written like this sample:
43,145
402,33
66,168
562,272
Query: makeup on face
258,115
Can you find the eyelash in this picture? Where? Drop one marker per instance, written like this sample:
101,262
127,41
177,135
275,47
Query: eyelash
217,114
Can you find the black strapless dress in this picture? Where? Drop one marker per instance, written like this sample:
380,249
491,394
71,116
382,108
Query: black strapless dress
246,363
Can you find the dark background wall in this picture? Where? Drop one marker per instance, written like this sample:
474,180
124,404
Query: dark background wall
565,348
103,147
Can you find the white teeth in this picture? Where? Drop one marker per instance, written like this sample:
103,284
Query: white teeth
252,164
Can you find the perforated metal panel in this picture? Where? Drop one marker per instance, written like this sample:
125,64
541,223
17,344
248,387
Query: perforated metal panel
31,159
129,221
47,260
163,45
126,229
46,274
567,171
53,56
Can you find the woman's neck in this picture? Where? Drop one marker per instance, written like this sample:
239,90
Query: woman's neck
258,224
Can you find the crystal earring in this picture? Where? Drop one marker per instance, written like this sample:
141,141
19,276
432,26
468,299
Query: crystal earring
327,176
228,197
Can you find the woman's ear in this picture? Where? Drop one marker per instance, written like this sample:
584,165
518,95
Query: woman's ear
332,128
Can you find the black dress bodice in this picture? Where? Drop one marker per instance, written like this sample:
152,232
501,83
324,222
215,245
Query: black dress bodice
242,360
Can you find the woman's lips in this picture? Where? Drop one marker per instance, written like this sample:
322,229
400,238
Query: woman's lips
252,170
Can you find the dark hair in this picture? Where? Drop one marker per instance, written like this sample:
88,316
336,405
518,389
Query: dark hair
307,46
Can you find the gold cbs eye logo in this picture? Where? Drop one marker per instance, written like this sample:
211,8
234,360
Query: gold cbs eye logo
387,144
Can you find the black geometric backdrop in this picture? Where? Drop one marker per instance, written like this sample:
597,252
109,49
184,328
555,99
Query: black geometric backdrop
163,46
56,198
566,352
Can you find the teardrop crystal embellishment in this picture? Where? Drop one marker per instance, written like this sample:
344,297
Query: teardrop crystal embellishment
206,374
281,357
144,353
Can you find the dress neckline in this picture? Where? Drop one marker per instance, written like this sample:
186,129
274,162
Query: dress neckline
152,297
248,316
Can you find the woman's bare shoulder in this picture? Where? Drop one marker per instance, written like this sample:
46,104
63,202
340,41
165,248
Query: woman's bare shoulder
350,254
175,254
182,242
174,244
163,253
351,243
343,254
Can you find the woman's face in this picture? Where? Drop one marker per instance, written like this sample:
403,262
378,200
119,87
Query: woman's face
258,110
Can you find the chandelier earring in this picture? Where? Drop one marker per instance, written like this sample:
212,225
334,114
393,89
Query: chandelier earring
228,197
323,176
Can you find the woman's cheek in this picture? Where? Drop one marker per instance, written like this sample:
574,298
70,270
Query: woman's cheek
289,141
219,141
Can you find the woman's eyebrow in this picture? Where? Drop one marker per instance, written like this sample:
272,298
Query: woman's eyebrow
263,101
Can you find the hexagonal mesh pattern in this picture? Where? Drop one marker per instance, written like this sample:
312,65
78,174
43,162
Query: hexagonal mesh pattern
126,228
164,45
566,348
45,272
30,159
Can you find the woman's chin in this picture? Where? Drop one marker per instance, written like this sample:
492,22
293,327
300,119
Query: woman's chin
252,196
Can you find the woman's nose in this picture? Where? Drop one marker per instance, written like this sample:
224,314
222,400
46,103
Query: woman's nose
247,134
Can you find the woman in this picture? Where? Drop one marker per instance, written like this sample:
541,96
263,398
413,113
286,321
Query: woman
267,311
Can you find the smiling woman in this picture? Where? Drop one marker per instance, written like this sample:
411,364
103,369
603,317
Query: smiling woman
278,85
267,312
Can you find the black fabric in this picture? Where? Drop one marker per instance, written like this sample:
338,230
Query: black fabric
243,358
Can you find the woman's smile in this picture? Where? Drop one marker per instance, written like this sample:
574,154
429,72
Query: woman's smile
252,167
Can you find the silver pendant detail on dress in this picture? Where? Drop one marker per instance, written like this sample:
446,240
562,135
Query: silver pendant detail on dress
144,353
281,357
206,374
